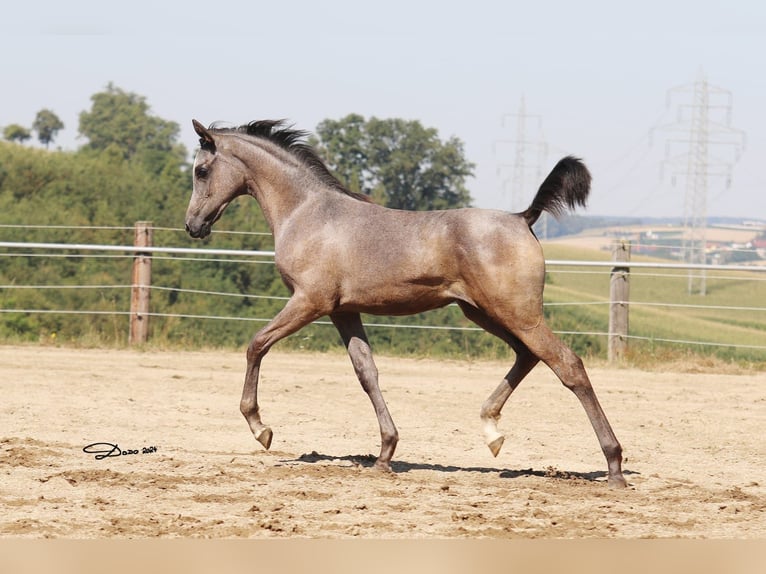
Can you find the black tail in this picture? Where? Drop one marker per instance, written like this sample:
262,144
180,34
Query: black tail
567,186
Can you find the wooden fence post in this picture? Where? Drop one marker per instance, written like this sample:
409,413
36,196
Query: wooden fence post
141,285
619,295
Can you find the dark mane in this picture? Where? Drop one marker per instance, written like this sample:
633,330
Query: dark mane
294,142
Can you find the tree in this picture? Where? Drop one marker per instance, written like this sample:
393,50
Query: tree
342,145
47,125
16,133
121,121
398,162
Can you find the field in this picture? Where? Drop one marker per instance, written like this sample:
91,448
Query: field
661,309
694,442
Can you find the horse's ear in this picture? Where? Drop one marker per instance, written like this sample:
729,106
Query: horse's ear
205,137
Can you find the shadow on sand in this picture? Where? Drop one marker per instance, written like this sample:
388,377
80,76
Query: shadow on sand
398,466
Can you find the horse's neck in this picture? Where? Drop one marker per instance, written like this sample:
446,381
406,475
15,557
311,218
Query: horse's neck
275,187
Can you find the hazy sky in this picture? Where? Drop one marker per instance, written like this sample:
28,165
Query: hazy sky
595,76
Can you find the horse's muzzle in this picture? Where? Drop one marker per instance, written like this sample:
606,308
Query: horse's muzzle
200,227
199,231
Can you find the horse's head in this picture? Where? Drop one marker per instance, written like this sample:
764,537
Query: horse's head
219,177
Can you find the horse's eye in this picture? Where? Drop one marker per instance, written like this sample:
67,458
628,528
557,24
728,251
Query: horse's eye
202,172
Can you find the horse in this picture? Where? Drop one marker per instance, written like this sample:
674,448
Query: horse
340,254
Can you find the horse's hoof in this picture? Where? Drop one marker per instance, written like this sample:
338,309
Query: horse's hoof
617,482
496,445
382,467
264,437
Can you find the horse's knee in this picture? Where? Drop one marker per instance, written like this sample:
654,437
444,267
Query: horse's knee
255,351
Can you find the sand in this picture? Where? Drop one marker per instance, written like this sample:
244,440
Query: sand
694,445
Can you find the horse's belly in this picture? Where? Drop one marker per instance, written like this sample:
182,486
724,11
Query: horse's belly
401,299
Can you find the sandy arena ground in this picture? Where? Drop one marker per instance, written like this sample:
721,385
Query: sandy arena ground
695,447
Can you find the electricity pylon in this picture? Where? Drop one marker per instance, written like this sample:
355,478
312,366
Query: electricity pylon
522,169
702,123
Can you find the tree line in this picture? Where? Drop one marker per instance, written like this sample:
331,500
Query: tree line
47,125
133,167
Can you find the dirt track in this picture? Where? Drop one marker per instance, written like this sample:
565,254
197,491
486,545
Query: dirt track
694,444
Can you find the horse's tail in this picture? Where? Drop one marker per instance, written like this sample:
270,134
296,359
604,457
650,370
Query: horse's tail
567,186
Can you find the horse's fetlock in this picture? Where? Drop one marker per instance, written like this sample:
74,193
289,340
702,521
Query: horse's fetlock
390,437
247,407
489,412
613,452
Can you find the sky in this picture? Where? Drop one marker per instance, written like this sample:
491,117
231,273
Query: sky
603,80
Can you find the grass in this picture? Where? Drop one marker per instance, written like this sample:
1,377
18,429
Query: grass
731,316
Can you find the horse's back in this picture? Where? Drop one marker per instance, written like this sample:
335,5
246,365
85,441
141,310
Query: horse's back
368,258
471,255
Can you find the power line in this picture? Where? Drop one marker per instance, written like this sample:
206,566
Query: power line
122,228
703,122
530,156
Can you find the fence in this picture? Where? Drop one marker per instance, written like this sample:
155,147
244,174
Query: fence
619,303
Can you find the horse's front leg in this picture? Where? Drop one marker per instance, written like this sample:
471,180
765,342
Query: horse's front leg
295,315
350,327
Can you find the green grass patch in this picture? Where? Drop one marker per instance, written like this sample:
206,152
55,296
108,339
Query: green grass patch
729,322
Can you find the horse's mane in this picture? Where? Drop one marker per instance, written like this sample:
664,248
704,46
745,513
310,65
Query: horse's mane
294,142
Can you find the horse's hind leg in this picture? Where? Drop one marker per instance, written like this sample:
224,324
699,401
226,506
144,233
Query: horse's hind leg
350,327
490,410
525,362
570,370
